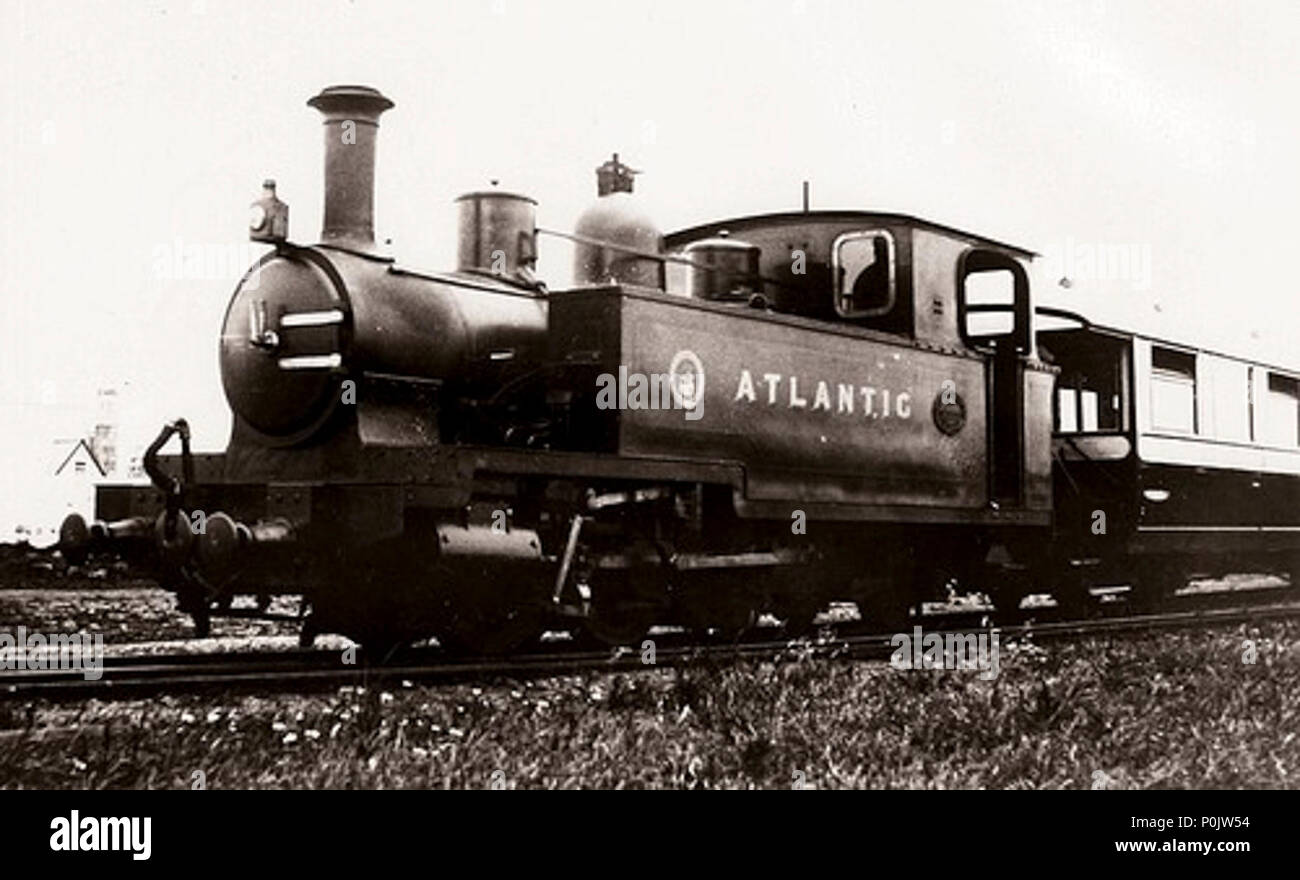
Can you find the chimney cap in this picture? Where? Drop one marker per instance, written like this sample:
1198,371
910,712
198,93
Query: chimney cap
355,99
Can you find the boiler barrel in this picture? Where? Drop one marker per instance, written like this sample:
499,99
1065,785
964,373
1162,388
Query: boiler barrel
303,319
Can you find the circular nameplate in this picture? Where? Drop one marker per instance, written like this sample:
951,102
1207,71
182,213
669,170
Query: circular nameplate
949,413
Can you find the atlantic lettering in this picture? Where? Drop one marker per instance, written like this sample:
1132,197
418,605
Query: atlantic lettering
775,389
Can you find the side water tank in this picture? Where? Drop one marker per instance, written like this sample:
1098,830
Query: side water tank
617,241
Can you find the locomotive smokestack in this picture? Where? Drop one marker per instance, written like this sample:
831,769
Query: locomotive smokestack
351,125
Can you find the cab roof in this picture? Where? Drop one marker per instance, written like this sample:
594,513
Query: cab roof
706,230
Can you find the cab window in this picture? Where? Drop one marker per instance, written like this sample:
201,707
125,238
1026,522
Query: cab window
863,270
990,303
993,302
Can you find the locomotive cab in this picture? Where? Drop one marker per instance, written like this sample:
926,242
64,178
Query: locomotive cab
878,373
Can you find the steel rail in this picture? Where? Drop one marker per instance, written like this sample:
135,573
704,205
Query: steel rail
129,677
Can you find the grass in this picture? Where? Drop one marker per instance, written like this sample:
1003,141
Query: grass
41,592
1170,711
126,616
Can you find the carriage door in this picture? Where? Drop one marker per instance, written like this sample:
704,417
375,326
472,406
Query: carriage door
993,308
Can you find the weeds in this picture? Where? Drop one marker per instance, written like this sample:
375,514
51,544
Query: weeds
1177,710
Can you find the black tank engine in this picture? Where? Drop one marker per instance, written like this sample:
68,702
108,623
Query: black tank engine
755,416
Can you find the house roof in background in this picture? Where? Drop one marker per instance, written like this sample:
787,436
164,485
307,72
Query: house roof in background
82,444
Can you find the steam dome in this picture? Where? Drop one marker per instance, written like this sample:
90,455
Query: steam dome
618,241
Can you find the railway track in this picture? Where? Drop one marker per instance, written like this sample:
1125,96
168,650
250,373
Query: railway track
127,677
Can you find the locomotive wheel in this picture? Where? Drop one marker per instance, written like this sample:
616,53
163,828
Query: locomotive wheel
1154,583
367,616
888,606
1007,596
624,605
892,613
1072,596
380,647
795,602
796,614
1007,584
721,621
618,624
720,624
798,622
489,609
732,627
479,628
378,637
307,635
721,604
715,604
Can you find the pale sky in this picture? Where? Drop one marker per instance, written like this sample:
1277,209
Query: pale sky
1164,132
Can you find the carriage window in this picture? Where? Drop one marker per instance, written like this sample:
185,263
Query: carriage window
1091,385
1229,393
1084,409
1067,410
1280,419
1089,410
864,274
1173,390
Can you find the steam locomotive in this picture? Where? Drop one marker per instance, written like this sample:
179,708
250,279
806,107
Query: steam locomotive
755,416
